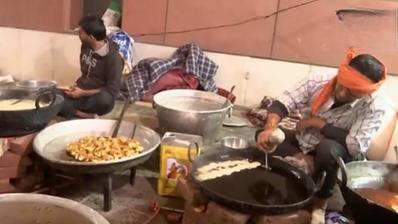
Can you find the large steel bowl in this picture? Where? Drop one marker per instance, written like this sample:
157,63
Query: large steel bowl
50,144
191,111
38,208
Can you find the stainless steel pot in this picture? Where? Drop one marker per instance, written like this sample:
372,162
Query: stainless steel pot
38,208
191,111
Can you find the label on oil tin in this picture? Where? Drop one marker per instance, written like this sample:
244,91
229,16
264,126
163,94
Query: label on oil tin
174,161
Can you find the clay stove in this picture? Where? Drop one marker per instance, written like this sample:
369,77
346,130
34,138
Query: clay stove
18,172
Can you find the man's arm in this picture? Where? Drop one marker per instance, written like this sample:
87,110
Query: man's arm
296,98
326,129
90,92
114,75
335,133
76,92
300,95
361,133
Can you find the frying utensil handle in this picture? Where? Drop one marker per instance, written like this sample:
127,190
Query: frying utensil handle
119,120
192,145
42,94
229,113
132,101
343,170
319,182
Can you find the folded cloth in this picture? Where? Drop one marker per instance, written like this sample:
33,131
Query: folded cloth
189,58
258,115
299,162
333,217
174,79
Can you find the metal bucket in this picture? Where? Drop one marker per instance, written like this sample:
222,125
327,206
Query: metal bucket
191,111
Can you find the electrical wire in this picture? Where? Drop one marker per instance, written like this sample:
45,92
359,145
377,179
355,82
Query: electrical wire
226,25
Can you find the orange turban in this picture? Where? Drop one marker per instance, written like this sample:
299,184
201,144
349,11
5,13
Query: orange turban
349,78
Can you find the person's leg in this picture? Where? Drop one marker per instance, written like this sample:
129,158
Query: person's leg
100,104
324,161
68,109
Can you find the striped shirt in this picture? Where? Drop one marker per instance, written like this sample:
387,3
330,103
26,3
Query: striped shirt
362,118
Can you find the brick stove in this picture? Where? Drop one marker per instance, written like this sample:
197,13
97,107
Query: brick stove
18,172
199,211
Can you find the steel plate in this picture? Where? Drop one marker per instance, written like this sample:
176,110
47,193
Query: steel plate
234,121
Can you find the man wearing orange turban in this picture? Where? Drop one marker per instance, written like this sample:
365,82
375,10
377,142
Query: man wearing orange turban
340,113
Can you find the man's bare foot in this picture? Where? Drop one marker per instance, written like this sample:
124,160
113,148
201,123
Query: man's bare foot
82,114
318,210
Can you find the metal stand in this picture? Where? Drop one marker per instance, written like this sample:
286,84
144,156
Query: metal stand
132,176
108,192
107,187
53,181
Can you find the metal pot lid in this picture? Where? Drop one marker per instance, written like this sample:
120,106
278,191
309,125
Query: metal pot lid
36,84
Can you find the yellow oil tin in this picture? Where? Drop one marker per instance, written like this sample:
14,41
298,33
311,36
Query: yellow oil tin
174,161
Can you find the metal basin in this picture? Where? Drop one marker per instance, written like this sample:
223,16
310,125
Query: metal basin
38,208
50,144
191,111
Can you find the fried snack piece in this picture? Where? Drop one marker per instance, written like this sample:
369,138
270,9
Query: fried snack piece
94,149
218,169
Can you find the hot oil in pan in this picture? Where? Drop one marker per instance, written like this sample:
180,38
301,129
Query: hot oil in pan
258,186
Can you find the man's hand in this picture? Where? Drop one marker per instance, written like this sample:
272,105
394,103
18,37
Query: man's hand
75,92
263,142
310,122
263,138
